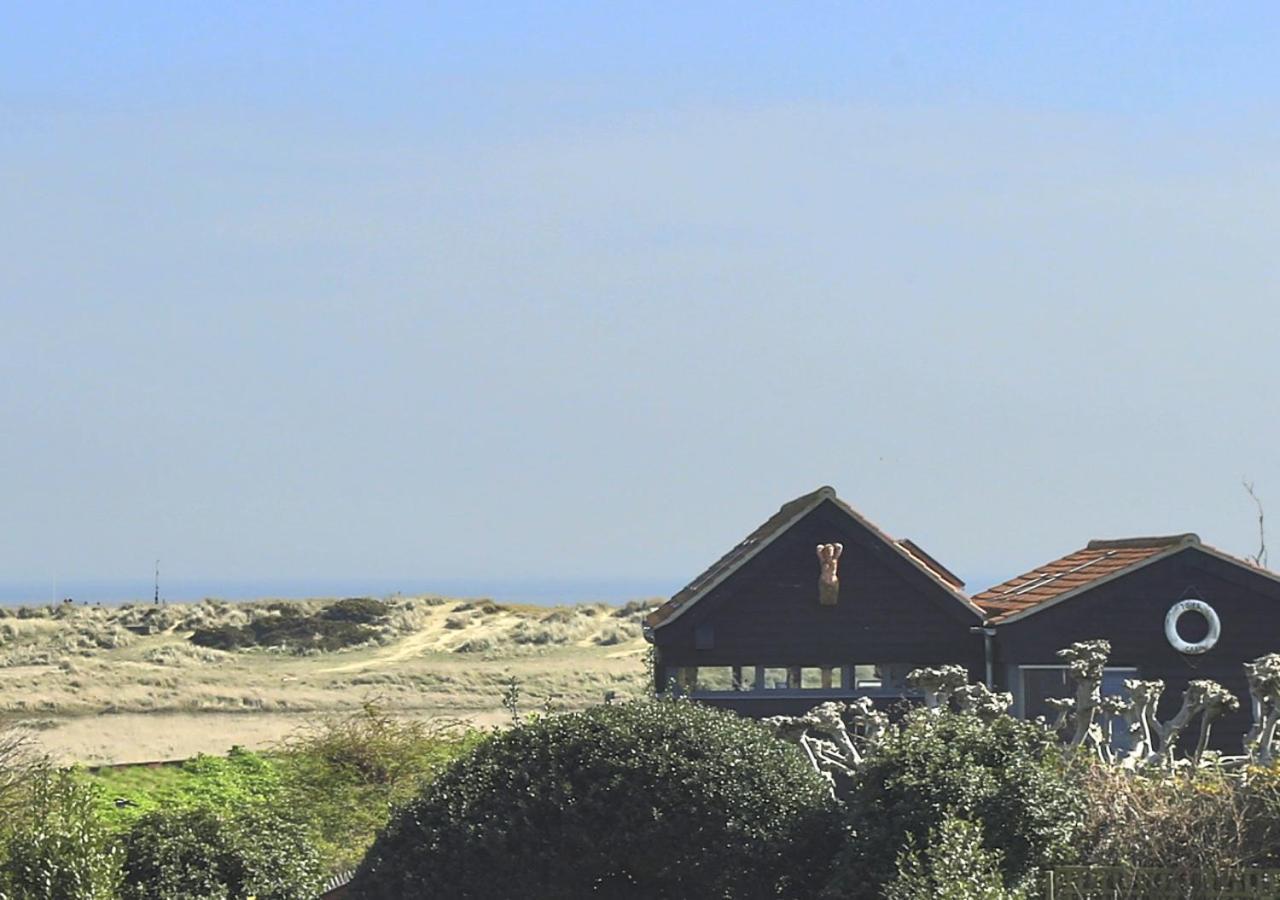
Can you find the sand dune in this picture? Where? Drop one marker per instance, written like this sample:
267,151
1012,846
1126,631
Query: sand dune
126,684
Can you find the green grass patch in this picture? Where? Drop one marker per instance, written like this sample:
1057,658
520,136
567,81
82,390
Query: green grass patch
220,783
341,777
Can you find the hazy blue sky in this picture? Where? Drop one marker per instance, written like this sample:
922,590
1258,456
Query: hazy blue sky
586,291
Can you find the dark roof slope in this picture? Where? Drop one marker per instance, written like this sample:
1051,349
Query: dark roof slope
787,515
1099,560
773,526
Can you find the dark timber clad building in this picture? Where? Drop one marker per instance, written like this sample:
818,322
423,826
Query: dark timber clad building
775,626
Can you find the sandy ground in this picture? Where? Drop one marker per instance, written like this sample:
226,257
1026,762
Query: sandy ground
96,692
147,737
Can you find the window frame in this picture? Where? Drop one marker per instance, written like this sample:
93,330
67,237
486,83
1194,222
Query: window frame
1019,687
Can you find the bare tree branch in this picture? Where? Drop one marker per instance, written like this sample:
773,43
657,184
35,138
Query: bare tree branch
1260,558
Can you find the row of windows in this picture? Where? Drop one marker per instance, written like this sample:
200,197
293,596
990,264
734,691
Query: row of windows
883,677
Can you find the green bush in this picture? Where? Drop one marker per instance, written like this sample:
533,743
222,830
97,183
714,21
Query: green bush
176,854
652,800
954,866
220,637
1006,776
348,772
361,610
198,854
59,849
288,631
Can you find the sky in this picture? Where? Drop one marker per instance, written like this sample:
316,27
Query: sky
463,296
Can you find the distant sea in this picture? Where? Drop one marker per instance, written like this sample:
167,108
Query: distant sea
544,591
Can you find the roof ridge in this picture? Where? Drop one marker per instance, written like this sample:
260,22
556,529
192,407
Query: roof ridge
1168,540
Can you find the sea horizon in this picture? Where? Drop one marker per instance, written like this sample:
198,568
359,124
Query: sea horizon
541,591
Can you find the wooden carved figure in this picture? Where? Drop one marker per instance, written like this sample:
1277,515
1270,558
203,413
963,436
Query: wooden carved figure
828,579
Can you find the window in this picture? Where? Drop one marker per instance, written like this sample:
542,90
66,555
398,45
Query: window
1039,685
867,678
775,678
1036,685
823,678
876,679
715,678
880,678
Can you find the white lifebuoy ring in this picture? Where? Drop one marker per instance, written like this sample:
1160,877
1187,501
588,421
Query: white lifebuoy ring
1181,608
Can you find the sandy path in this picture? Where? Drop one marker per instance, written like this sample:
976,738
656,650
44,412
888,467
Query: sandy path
413,645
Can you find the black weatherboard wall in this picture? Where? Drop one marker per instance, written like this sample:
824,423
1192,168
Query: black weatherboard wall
1130,611
890,611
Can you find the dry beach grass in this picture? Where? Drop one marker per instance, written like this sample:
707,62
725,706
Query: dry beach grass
106,684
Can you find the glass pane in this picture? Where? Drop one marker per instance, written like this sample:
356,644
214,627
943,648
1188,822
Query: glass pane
867,678
893,676
775,678
811,677
1113,681
1113,685
715,678
1038,685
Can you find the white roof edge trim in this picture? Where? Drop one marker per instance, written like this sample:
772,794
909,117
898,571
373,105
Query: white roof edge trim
820,495
1155,557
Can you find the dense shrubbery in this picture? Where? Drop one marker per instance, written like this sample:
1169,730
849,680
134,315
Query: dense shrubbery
1182,820
342,624
348,772
361,610
59,848
1005,775
199,854
640,800
210,828
954,865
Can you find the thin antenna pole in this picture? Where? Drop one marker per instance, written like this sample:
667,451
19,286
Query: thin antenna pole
157,600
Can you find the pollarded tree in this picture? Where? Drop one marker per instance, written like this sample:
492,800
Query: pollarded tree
1264,690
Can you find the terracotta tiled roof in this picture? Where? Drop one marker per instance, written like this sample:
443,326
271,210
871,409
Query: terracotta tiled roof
1097,561
937,569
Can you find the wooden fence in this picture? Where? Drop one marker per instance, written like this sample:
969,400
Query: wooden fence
1122,883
